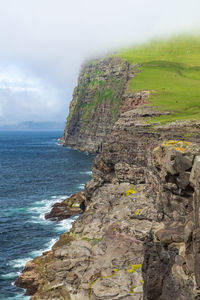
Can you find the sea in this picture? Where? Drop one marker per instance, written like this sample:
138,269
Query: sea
35,173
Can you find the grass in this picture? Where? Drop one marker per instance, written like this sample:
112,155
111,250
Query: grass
170,69
103,92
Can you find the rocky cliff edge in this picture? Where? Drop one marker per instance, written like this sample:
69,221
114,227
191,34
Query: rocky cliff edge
139,235
99,98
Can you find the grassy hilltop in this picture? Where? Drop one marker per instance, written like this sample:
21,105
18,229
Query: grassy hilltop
171,70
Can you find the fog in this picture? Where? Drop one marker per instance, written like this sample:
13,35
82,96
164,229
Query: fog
44,43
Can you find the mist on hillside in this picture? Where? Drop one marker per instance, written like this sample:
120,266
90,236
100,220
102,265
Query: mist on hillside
44,43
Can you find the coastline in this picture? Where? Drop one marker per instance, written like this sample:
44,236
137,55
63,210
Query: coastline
105,254
34,178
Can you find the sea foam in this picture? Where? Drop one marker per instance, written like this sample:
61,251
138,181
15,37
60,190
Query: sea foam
40,208
19,263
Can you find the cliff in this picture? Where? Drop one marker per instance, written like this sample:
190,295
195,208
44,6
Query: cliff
96,103
165,72
139,235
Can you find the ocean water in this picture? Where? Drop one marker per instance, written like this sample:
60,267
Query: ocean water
35,172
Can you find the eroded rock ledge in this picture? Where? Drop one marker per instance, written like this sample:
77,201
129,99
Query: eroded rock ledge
139,236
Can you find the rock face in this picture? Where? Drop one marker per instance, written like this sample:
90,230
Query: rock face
139,235
69,207
171,267
96,103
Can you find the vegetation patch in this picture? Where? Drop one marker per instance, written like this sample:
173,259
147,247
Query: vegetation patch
92,241
171,69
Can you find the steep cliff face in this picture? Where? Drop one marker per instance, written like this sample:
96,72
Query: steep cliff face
139,235
132,240
95,104
171,267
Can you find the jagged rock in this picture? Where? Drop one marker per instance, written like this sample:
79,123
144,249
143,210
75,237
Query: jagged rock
176,243
139,235
103,253
69,207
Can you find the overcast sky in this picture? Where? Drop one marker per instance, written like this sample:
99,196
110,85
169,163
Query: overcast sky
44,42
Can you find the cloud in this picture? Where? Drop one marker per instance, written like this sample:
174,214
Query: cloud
29,98
48,40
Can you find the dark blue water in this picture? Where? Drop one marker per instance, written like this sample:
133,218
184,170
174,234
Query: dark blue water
35,172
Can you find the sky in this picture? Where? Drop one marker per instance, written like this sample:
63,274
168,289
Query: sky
43,44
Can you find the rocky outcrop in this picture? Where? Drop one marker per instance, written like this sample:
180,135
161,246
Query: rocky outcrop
96,103
69,207
139,235
171,267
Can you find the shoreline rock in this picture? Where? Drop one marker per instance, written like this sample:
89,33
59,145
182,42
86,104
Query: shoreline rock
129,242
72,206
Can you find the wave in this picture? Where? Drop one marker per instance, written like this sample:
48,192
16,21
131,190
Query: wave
47,247
19,296
40,208
19,263
86,172
59,144
65,225
37,211
81,186
11,275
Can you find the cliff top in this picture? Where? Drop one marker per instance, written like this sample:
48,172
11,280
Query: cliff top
170,70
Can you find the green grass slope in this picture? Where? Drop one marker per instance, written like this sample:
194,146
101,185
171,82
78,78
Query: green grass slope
171,70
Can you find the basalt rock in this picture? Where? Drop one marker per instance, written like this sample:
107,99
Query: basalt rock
69,207
139,235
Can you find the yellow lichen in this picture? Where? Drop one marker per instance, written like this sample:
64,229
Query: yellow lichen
156,149
129,192
104,277
76,205
116,225
91,287
112,275
134,268
180,149
177,145
138,212
172,142
132,289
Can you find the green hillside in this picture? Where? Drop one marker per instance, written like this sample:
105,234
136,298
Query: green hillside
171,71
